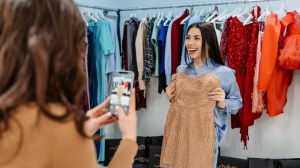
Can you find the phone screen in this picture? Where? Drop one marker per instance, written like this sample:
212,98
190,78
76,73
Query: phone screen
121,84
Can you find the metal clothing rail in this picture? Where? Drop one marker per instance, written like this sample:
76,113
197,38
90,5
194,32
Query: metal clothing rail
197,4
98,7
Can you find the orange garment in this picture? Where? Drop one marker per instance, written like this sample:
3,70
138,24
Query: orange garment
273,79
290,54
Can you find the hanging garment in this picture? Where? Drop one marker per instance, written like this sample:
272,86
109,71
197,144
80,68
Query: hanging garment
168,53
218,30
224,40
103,48
132,28
258,98
140,46
189,130
273,79
124,47
237,55
162,44
290,54
176,38
247,117
149,54
113,61
154,37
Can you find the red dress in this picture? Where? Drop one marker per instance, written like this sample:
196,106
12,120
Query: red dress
241,56
237,55
248,117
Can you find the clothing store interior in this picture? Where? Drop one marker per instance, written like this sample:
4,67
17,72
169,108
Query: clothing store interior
264,130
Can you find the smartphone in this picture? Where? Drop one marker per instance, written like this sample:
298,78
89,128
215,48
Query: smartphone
121,84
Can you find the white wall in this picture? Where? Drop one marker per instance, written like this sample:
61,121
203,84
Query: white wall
276,137
102,3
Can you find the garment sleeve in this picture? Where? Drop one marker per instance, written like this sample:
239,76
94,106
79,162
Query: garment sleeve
124,156
233,99
106,41
71,149
168,60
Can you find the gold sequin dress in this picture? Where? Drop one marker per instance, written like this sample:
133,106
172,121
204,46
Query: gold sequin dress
189,129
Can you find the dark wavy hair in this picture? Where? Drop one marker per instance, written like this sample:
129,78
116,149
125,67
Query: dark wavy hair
209,40
41,58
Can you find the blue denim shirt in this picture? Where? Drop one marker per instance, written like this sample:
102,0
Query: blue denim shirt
233,99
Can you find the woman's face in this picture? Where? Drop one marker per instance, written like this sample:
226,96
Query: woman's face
193,43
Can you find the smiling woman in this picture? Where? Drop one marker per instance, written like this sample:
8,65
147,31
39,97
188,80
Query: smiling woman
215,94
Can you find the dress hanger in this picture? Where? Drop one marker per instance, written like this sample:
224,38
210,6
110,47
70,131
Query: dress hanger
212,15
220,16
160,19
101,15
146,17
95,16
169,18
186,18
246,13
264,14
201,12
154,15
89,16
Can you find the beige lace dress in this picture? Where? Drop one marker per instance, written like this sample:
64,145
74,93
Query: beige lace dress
189,129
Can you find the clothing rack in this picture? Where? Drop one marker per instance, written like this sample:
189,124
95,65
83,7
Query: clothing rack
105,10
198,4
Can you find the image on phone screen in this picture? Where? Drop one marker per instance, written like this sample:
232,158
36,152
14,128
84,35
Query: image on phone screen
120,91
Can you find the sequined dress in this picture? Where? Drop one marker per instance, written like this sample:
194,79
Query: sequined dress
189,129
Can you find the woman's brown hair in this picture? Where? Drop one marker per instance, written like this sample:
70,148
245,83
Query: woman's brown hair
41,57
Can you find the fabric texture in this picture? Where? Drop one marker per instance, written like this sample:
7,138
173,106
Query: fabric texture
290,54
224,40
233,98
140,46
258,100
273,79
149,54
190,121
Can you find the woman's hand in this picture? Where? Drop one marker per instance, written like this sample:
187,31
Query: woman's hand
218,95
98,117
171,89
127,122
